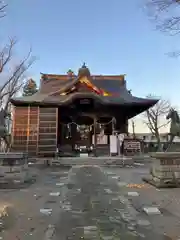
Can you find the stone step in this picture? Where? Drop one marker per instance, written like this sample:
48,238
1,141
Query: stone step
93,161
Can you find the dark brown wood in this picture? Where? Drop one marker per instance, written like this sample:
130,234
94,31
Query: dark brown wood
35,130
24,132
95,137
20,128
32,139
47,131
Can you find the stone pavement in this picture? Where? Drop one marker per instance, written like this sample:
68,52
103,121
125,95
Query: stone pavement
94,208
166,200
90,203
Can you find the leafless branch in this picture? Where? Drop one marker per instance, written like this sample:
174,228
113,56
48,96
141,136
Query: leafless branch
165,124
166,14
12,83
2,9
161,5
173,54
19,69
6,53
154,117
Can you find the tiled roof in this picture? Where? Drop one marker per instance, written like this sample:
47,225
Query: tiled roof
120,94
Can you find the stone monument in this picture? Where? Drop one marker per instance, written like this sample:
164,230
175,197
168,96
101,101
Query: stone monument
165,170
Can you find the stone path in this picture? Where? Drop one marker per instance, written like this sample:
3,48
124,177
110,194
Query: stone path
90,203
93,208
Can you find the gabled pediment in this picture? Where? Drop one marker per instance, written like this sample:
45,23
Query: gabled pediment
83,84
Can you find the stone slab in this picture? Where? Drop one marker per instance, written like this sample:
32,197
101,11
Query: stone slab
116,177
143,222
133,194
152,210
46,211
54,194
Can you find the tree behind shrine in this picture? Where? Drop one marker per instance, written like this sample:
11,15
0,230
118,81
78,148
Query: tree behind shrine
155,119
30,88
166,14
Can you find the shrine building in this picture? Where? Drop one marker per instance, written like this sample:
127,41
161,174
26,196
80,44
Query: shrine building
73,109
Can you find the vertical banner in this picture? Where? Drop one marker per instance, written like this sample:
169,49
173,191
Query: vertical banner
113,144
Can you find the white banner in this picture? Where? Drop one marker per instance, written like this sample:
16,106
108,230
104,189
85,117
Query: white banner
113,144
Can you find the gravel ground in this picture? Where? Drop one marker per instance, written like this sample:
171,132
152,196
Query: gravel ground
90,203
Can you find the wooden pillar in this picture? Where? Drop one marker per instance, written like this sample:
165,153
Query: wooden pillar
95,138
113,125
73,135
13,126
57,120
37,149
28,130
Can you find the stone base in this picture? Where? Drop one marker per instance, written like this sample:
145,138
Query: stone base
160,183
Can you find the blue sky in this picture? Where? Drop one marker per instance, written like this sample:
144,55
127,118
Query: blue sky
112,37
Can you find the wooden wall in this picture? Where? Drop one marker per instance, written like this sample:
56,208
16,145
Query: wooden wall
35,130
48,120
32,134
20,128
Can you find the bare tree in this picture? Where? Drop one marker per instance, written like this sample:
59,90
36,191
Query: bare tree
166,13
12,76
2,9
155,119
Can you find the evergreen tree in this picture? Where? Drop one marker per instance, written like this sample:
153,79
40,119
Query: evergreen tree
30,88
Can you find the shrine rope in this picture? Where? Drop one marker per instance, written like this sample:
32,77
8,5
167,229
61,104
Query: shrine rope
102,124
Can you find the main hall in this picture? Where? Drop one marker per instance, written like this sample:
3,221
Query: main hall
73,109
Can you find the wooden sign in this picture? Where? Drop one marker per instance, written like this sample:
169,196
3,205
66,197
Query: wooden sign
132,146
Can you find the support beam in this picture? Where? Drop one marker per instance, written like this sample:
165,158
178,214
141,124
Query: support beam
28,129
95,137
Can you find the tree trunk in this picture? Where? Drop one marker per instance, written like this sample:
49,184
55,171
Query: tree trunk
159,145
